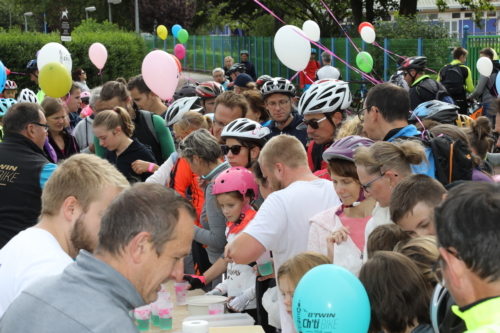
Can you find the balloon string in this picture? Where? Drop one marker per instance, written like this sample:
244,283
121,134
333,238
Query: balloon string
343,30
295,75
17,73
100,72
188,78
397,55
373,80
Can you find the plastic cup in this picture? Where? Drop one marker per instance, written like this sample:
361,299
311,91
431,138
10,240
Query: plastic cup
155,318
264,264
165,312
163,296
215,309
180,292
142,316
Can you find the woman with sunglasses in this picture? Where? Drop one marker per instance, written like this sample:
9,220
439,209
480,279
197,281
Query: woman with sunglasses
60,143
349,218
79,77
380,168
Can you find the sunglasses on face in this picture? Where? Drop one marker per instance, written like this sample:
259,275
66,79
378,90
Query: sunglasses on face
236,149
313,123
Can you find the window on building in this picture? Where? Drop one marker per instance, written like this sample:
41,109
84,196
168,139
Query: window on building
447,25
454,26
492,14
467,15
456,15
433,16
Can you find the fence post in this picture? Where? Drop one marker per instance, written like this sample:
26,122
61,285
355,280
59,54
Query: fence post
386,58
466,35
332,43
222,49
255,52
165,45
204,53
239,37
363,45
194,52
271,56
213,51
263,70
347,59
154,42
230,48
420,49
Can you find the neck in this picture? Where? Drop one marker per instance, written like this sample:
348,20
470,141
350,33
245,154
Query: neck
54,133
287,122
123,145
212,166
479,289
131,111
158,107
302,173
385,127
57,226
364,209
115,262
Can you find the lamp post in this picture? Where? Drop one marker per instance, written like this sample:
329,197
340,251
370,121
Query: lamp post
26,20
137,17
115,2
87,10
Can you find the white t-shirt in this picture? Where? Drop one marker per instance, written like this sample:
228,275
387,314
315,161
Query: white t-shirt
28,257
282,224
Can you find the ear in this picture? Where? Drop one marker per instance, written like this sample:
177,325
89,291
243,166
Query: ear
279,169
254,153
152,95
445,196
197,160
337,118
294,99
128,100
455,268
71,209
374,113
139,246
117,130
393,178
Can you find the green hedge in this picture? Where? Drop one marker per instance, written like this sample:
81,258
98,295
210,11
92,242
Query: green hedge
125,53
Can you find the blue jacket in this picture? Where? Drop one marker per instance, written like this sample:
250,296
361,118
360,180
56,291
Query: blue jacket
291,129
423,168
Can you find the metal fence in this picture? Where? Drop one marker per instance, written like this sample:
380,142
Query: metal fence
204,53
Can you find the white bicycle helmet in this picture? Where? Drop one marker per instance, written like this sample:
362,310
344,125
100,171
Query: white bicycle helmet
325,96
27,95
247,130
277,85
5,104
10,85
181,106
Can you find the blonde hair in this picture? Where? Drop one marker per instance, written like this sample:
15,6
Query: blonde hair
296,267
352,126
284,149
81,176
191,121
479,134
111,119
249,87
383,156
423,251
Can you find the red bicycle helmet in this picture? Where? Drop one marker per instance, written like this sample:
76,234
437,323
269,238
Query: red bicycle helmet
209,89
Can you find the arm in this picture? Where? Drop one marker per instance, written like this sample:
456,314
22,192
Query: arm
215,235
244,249
481,85
302,79
469,85
164,136
47,171
162,175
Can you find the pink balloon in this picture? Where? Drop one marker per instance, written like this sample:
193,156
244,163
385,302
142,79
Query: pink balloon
98,55
180,51
161,74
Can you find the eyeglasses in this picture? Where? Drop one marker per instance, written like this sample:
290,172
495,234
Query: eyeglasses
437,270
218,124
83,72
273,105
366,186
313,123
236,149
220,75
361,116
45,127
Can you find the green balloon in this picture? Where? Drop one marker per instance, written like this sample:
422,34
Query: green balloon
364,61
183,36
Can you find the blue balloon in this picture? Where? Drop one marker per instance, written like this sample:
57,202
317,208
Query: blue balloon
3,76
329,298
175,30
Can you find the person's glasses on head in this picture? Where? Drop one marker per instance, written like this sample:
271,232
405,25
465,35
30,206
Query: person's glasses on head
313,123
361,114
281,104
367,186
235,150
437,269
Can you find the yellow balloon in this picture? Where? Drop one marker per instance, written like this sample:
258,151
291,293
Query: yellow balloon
162,32
55,80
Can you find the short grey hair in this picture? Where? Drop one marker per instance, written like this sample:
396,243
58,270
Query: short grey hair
143,207
218,69
95,95
326,57
202,144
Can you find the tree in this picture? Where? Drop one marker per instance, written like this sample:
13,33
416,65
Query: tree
167,13
478,8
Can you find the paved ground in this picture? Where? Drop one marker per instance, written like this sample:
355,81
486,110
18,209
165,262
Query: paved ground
187,76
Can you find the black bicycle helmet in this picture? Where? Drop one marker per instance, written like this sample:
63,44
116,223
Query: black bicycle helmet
442,112
236,68
263,79
31,66
416,63
187,90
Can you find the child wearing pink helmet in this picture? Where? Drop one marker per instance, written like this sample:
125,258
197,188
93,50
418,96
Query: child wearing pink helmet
236,190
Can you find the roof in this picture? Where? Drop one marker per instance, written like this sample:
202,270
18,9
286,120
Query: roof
431,4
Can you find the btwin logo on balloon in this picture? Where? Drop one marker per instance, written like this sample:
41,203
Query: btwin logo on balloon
311,322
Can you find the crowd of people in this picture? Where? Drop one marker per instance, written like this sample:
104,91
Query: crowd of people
109,192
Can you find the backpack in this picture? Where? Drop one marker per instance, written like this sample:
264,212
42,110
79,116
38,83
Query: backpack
492,89
452,79
436,88
148,116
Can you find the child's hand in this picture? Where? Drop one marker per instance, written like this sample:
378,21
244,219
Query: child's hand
238,303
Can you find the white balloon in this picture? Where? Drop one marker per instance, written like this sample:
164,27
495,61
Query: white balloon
292,49
311,30
484,66
368,35
54,52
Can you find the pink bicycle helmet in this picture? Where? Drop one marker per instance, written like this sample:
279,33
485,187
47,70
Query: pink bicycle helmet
236,179
209,89
344,148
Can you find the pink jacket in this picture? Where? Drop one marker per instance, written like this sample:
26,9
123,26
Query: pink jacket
345,254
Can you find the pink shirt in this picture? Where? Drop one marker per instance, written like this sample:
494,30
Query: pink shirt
357,228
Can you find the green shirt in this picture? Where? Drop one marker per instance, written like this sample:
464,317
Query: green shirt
469,85
481,318
40,95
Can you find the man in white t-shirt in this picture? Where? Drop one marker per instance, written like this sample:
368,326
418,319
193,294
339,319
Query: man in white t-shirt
73,201
281,225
